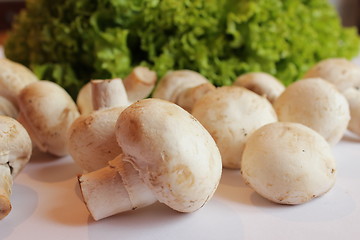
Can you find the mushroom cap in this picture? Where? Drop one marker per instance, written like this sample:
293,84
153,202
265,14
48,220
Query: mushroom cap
91,139
47,111
288,163
13,78
175,156
174,82
317,104
7,108
352,95
16,143
231,114
261,83
340,72
84,99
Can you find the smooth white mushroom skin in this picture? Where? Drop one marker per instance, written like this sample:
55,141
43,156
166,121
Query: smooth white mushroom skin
139,83
288,163
316,104
175,156
84,99
189,97
261,83
7,108
13,78
47,111
341,72
15,152
91,139
231,114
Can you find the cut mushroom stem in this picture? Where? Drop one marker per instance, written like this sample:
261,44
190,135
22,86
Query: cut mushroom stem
15,152
139,83
108,93
114,189
5,188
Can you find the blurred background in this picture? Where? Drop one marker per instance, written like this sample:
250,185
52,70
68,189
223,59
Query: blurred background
349,11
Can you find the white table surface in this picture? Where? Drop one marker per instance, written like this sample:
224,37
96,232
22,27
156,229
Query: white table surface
47,204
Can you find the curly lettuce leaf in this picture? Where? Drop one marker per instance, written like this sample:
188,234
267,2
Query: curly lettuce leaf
73,41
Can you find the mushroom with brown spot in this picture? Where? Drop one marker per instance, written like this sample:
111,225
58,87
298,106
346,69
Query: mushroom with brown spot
47,111
182,87
15,152
261,83
317,104
231,114
167,156
91,138
288,163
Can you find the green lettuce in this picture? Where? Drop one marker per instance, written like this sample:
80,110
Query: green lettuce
73,41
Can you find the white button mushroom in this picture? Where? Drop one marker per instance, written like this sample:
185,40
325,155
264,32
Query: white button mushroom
13,78
15,152
231,114
345,75
91,138
288,163
316,104
47,111
182,87
261,83
172,153
138,85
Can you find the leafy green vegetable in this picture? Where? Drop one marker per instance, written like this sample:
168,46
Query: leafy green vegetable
73,41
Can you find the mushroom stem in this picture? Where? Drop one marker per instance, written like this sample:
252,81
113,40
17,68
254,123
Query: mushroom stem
114,189
5,187
108,93
139,83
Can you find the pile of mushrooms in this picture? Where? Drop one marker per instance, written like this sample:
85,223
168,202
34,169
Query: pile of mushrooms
231,114
91,138
168,156
138,85
345,76
172,147
317,104
183,87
